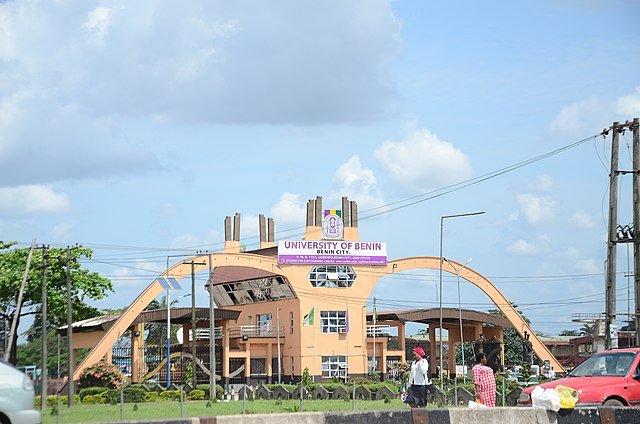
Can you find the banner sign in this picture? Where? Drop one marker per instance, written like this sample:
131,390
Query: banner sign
327,252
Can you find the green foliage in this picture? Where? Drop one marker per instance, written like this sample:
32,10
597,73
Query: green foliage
87,285
374,375
129,395
513,350
135,406
189,372
333,386
569,333
150,396
196,394
288,387
387,399
209,404
306,379
205,388
102,374
91,391
361,381
374,387
170,395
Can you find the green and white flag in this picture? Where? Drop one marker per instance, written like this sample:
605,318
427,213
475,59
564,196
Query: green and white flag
309,318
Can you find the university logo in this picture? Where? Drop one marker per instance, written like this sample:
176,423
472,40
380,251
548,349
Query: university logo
332,226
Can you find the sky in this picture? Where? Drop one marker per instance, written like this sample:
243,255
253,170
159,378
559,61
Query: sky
134,128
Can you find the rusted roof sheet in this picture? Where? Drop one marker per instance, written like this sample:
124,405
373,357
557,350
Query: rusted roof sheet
432,316
230,274
178,316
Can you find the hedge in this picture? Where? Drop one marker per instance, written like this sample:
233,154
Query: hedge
91,391
205,388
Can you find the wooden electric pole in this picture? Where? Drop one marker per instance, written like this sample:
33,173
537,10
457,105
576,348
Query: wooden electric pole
70,359
636,225
43,310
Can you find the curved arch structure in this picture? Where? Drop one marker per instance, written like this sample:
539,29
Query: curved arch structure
297,277
489,289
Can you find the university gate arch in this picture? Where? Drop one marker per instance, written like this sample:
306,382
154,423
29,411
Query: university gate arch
368,276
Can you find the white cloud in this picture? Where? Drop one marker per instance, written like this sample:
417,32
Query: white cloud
358,183
542,183
582,221
422,161
537,210
581,117
98,21
577,117
32,200
289,212
522,248
629,105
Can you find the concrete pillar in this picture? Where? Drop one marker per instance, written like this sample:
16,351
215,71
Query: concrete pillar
269,362
138,368
432,341
224,375
401,337
247,361
454,340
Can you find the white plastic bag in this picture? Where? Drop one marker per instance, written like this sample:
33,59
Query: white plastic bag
546,399
475,405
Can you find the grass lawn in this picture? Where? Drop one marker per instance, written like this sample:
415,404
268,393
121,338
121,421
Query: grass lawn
101,413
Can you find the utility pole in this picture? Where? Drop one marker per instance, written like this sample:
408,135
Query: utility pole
636,224
43,366
374,335
16,315
70,358
610,284
212,335
193,320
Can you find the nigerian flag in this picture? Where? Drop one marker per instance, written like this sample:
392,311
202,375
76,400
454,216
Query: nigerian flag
309,318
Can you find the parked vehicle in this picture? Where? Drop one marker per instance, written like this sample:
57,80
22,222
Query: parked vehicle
16,397
609,378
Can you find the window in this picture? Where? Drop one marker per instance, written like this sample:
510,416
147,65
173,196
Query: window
258,367
334,366
333,321
264,324
291,318
332,276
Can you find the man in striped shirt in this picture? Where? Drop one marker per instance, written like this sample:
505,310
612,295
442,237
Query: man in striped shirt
484,381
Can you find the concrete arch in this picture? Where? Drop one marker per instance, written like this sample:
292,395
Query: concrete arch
154,289
488,288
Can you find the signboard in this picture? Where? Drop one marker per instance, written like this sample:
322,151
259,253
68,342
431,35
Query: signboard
327,252
332,225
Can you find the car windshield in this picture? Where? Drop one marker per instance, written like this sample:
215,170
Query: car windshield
609,363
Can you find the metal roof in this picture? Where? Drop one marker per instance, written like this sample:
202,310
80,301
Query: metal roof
449,315
178,316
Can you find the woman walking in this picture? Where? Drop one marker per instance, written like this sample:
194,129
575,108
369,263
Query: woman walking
484,381
416,394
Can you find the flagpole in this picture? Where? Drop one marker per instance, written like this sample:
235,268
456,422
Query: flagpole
347,338
374,335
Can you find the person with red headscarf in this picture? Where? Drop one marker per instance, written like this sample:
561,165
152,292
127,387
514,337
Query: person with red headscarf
417,386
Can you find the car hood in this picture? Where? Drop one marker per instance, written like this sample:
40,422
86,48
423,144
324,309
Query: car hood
581,384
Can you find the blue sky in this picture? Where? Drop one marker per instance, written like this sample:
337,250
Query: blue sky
135,128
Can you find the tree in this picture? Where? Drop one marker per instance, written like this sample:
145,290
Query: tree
87,285
569,333
513,349
588,330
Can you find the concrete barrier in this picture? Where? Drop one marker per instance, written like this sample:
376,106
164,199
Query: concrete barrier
513,415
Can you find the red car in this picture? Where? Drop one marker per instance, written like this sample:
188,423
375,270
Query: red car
610,378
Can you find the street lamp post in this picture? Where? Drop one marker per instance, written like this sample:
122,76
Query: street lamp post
442,218
458,270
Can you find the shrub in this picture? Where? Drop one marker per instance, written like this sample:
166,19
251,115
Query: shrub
333,386
196,394
170,395
205,388
374,387
289,387
92,399
91,391
150,396
129,395
102,374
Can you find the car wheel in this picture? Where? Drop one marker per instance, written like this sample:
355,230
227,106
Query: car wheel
612,402
4,419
